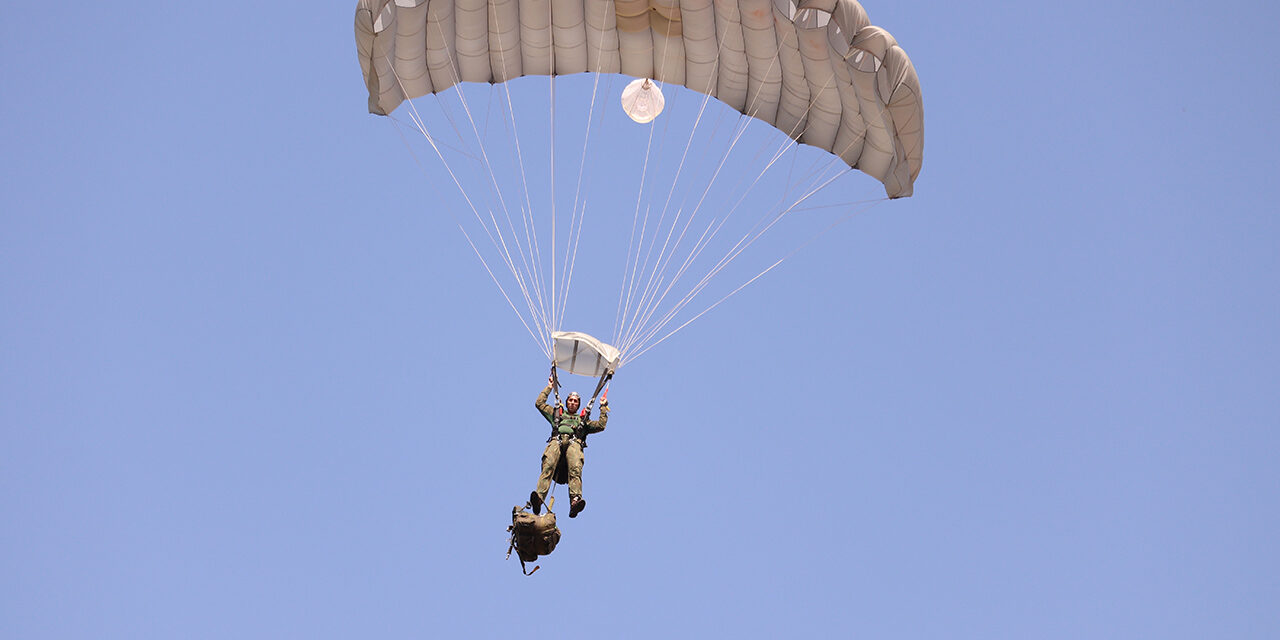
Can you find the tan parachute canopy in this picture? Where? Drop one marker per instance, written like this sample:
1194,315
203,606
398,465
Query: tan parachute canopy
815,69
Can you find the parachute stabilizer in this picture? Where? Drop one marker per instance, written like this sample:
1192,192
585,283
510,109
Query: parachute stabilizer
581,354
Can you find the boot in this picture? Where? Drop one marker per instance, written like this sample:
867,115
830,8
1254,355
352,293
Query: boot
576,505
535,502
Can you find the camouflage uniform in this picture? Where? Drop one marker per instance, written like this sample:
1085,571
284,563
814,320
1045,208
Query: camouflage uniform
566,440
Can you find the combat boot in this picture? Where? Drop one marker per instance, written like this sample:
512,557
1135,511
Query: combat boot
576,505
535,502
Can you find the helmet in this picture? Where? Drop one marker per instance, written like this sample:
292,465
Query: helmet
573,395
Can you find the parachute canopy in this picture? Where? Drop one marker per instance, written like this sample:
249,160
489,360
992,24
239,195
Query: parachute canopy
582,354
815,69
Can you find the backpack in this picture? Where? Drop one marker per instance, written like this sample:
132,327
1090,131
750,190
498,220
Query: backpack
532,536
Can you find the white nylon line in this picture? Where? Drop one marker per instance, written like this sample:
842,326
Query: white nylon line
650,287
618,330
526,218
466,153
674,183
744,243
555,284
421,125
639,197
564,302
570,252
626,329
728,258
501,238
689,298
531,233
551,89
515,239
626,264
740,129
697,247
575,227
661,218
546,349
586,142
688,224
571,260
642,267
572,255
527,257
757,277
493,180
541,344
839,205
788,144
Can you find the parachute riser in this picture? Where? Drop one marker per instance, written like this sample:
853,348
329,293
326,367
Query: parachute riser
604,380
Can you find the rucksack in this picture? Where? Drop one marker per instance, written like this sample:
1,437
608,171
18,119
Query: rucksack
532,536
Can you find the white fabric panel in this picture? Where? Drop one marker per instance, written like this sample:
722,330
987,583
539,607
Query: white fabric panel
581,354
793,106
700,45
816,69
535,37
569,36
504,40
472,23
441,45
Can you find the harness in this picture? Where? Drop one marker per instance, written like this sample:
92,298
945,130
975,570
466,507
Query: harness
558,414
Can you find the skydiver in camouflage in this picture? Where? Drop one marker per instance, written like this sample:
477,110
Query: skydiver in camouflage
569,429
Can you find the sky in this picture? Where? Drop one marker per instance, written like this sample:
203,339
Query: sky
255,383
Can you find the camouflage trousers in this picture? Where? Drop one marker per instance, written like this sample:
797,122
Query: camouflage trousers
570,449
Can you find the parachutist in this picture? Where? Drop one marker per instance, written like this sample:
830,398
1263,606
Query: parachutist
562,459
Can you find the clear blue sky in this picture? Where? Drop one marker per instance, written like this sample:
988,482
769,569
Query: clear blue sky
253,383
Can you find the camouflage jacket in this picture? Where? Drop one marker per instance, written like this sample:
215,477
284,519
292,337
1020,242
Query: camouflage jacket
567,423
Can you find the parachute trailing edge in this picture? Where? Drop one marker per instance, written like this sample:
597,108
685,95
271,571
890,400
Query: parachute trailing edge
817,70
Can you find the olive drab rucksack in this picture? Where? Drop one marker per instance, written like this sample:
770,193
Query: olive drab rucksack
532,535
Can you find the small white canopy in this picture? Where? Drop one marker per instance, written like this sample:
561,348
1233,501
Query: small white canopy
582,354
642,100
